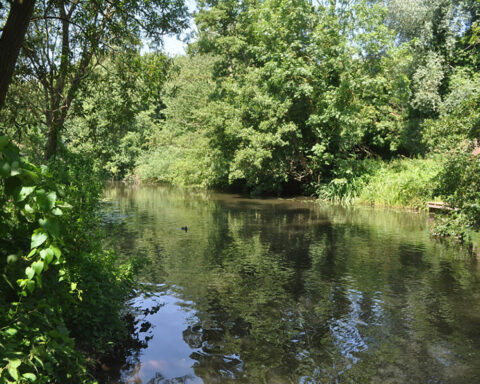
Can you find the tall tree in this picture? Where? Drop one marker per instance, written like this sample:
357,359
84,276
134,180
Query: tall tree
11,40
67,39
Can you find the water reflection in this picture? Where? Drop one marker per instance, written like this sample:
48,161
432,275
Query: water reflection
287,291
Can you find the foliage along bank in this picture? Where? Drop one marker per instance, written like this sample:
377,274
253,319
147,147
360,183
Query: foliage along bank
349,101
62,293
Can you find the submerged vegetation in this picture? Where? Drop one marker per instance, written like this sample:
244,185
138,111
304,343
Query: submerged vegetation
375,102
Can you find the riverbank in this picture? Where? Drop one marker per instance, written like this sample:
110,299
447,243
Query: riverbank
405,183
63,294
402,183
408,183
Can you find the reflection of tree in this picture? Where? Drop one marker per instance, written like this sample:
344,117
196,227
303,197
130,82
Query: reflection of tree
159,379
284,292
125,358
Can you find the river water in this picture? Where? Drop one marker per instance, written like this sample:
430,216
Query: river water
292,291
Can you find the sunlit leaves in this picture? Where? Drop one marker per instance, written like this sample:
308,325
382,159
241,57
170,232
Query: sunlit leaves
24,193
47,255
38,238
30,376
46,200
30,272
36,282
51,225
12,368
37,266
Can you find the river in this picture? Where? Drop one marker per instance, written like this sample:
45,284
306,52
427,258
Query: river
292,291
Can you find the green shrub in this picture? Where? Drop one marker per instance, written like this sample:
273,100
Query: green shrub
61,295
454,126
401,183
349,178
458,183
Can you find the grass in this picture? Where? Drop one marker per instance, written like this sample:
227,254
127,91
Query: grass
405,183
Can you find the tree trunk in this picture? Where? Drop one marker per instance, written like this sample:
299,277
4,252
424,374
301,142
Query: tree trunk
52,139
55,122
11,42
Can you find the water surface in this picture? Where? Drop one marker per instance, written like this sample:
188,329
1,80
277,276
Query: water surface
291,291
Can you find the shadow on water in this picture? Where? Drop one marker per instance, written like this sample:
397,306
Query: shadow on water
290,291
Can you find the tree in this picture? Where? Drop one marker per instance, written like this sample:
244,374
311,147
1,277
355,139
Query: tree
111,123
308,84
68,38
11,41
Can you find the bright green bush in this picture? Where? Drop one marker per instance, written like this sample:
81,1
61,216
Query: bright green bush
454,127
349,177
401,183
458,183
60,293
188,147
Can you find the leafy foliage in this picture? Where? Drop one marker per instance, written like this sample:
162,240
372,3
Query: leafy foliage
112,123
189,145
459,183
61,293
402,183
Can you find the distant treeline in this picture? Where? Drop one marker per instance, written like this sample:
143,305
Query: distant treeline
283,97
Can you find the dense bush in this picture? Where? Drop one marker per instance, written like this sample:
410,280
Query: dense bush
454,128
402,183
61,293
458,183
350,177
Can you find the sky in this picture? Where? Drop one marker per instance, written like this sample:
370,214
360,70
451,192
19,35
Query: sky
174,46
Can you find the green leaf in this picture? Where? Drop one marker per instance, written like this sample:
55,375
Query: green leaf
15,363
57,212
15,168
24,193
12,259
51,225
51,197
30,285
63,204
39,361
47,255
29,376
4,168
28,208
12,368
11,331
4,140
45,200
29,271
28,176
38,238
37,266
56,250
11,153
